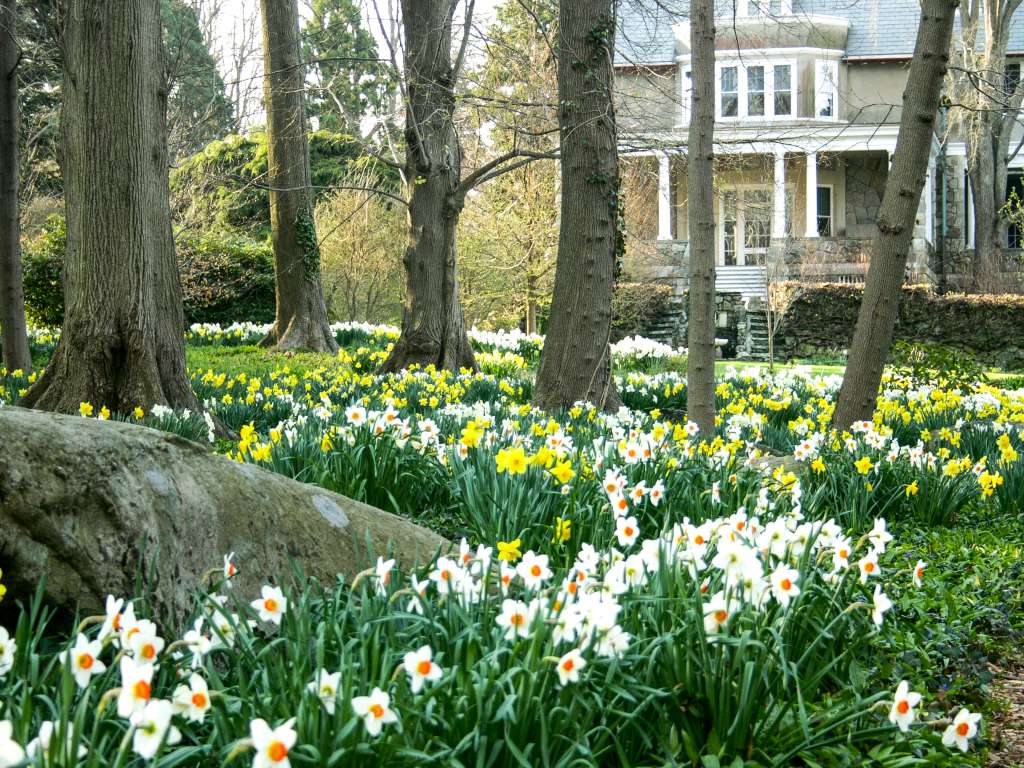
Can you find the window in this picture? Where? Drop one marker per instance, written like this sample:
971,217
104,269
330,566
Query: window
761,90
757,225
686,95
826,90
1014,200
1012,77
768,8
730,224
783,86
730,92
824,211
755,91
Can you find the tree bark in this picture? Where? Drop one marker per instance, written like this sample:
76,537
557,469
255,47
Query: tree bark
14,337
161,508
433,330
700,372
301,321
122,344
576,361
872,337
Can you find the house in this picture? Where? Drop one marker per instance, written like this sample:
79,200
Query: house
808,100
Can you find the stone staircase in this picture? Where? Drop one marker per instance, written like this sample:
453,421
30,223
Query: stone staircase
667,326
757,334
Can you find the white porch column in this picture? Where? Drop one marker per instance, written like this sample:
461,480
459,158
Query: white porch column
779,222
929,205
812,194
664,197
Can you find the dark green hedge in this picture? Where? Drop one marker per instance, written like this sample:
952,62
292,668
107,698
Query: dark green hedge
990,327
224,278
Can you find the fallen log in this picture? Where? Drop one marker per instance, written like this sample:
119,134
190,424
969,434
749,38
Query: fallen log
96,507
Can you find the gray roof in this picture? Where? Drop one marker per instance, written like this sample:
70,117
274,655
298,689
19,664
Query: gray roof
877,27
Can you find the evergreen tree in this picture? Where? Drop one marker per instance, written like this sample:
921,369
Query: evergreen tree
198,110
348,80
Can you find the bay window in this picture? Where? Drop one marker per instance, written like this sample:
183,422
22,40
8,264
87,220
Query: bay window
762,90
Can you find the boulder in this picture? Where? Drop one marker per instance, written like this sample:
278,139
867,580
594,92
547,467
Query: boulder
98,507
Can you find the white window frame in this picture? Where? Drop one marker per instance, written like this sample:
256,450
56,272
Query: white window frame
821,89
685,92
741,89
742,63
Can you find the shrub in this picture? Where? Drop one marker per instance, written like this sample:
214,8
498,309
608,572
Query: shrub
226,278
42,265
223,277
636,306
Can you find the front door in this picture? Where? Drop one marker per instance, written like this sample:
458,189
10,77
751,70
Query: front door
745,233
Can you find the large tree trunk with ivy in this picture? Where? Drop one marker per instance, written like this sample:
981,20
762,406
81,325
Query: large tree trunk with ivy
122,344
433,330
700,373
301,321
576,361
872,337
12,298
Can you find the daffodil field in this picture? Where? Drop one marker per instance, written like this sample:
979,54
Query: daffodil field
618,592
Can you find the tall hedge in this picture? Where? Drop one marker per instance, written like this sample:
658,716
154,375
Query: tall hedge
223,277
990,327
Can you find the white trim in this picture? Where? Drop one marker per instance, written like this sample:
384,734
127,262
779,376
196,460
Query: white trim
785,9
769,53
811,195
664,197
779,190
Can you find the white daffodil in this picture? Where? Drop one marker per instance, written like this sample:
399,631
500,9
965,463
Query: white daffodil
569,667
420,667
193,700
84,659
375,710
271,605
272,745
324,686
902,713
963,728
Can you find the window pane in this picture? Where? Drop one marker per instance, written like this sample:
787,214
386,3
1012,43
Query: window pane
824,212
783,104
730,105
729,229
755,78
730,81
826,88
782,75
783,100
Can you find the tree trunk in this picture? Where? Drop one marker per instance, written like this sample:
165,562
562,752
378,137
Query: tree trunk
576,364
877,318
301,321
700,371
433,330
122,344
95,506
12,299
